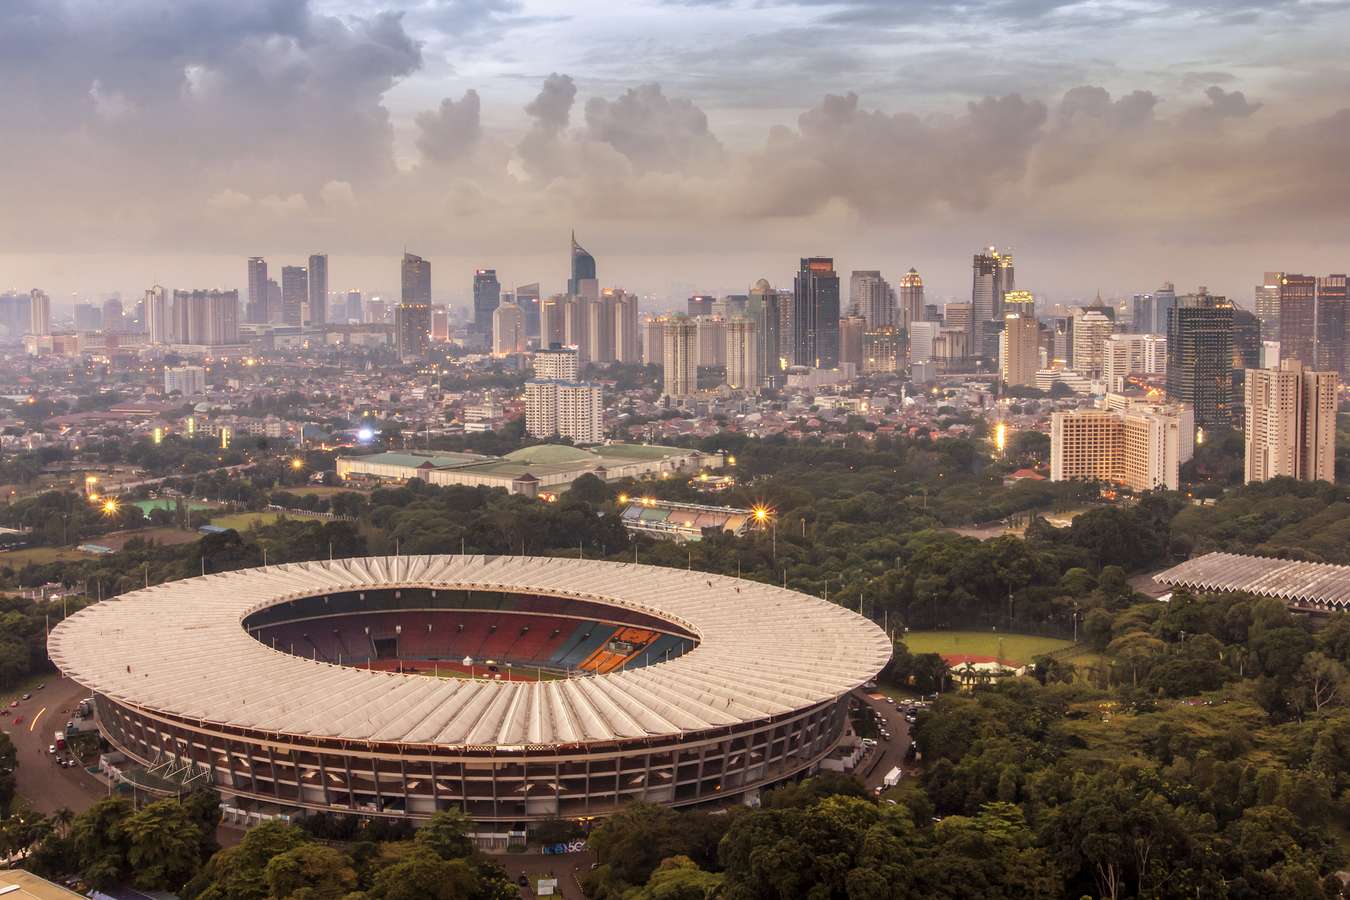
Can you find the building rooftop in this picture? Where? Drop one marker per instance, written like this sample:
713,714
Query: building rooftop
16,884
1309,585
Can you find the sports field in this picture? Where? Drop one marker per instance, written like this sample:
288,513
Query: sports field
243,521
1013,648
41,556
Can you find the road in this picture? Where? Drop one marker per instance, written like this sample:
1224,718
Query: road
568,867
44,784
875,765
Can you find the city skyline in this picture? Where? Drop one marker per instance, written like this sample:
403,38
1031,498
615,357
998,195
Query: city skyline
1085,138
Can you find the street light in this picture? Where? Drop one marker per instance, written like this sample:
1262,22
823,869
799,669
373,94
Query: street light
110,506
297,464
763,515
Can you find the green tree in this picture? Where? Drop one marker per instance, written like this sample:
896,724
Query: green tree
322,873
447,834
678,878
422,875
238,872
163,845
100,843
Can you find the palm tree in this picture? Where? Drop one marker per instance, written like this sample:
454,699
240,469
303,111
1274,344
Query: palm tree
63,817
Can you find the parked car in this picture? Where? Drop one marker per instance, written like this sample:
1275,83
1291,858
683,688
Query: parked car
27,697
18,720
51,749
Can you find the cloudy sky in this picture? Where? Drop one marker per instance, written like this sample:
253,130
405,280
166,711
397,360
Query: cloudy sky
693,144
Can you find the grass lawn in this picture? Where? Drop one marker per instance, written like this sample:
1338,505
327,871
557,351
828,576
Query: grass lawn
320,490
166,536
243,521
41,556
1015,648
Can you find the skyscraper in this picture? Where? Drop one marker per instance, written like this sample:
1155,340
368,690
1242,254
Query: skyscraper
294,293
1091,328
1020,349
583,282
992,278
258,297
88,317
599,317
870,297
712,340
1142,315
1268,305
700,305
204,318
39,313
1298,318
416,274
354,307
653,340
157,307
742,354
412,330
626,328
851,331
556,365
114,319
815,314
762,307
1132,354
1247,338
1164,298
551,321
1290,423
273,306
487,296
508,329
527,298
1021,302
680,357
880,351
1200,357
440,323
911,298
1331,321
412,317
318,289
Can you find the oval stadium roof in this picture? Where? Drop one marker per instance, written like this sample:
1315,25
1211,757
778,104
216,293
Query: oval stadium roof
180,648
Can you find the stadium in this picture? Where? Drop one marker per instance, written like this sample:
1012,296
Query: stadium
514,688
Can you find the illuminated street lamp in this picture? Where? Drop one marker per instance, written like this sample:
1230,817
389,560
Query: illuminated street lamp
111,506
297,464
763,515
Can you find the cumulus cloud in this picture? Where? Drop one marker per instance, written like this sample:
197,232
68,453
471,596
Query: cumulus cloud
1222,105
1086,123
451,131
261,97
550,111
887,165
654,132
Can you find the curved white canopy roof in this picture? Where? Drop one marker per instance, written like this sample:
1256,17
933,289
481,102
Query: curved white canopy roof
180,648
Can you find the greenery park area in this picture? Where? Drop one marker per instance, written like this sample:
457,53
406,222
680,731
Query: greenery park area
1199,748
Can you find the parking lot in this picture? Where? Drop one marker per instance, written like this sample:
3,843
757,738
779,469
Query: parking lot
41,781
887,754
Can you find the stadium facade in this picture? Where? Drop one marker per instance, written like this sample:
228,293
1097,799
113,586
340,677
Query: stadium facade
578,686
